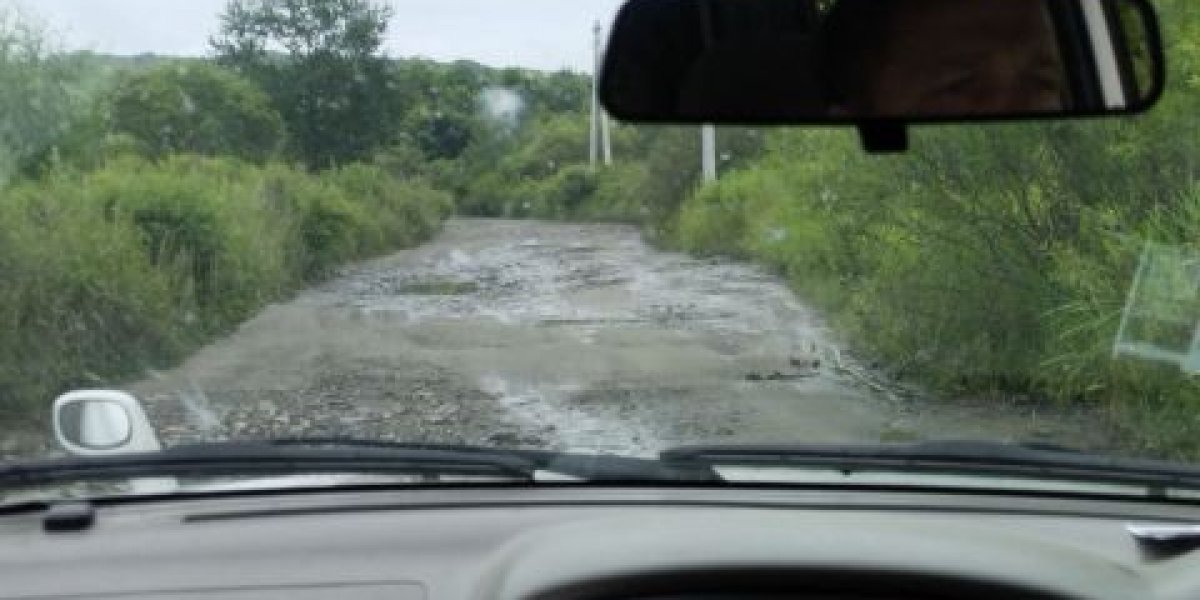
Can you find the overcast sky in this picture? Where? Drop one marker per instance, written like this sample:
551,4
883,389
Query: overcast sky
542,34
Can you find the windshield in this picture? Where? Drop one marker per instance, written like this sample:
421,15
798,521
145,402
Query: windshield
409,221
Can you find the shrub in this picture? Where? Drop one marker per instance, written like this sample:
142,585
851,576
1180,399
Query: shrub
125,268
195,107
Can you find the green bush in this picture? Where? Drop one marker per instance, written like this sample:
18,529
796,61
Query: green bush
79,299
984,261
617,195
561,195
400,214
43,92
195,107
125,268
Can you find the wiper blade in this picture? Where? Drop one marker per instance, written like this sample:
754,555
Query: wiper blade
591,468
950,458
333,456
260,459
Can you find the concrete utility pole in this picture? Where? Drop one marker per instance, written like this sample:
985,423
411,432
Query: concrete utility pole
606,138
600,147
708,152
594,140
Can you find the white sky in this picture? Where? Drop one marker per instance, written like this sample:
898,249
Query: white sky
542,34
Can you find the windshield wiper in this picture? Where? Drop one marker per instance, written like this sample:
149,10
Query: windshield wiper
950,458
336,456
591,468
263,459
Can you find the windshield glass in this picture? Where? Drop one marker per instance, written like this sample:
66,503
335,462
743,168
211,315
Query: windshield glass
408,221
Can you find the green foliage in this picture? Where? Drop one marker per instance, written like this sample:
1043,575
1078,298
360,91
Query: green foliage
390,214
551,144
444,112
42,93
318,60
543,171
197,108
617,195
127,267
987,258
439,105
672,171
564,194
548,93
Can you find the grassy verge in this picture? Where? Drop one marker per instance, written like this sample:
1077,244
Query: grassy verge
988,260
130,266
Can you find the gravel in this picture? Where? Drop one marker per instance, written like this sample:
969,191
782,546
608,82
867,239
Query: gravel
563,336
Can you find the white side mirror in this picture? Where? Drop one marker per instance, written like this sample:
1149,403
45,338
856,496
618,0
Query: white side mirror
101,422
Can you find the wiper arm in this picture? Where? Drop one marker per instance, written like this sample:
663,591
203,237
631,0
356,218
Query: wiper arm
273,459
951,457
321,456
584,467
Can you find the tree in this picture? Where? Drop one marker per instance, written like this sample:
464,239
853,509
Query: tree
559,92
552,144
197,108
43,93
440,105
319,61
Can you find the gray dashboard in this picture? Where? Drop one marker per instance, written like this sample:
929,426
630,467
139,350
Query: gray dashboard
598,544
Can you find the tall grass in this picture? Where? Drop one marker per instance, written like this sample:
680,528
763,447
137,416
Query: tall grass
986,260
128,267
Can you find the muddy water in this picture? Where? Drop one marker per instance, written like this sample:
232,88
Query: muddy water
564,336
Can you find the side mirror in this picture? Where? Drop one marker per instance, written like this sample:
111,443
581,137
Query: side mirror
101,422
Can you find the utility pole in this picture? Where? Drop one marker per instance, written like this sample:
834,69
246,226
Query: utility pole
594,143
708,152
600,147
606,137
708,133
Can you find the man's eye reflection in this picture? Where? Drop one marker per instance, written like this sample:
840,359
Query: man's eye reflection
944,57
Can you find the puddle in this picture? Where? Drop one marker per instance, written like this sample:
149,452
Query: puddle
548,410
438,288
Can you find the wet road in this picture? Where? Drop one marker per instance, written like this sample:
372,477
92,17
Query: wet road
564,336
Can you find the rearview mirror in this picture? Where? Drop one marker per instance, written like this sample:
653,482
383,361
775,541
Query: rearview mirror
863,61
100,422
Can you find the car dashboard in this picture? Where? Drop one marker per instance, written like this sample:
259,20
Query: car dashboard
600,543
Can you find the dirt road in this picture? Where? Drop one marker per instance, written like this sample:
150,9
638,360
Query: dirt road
566,336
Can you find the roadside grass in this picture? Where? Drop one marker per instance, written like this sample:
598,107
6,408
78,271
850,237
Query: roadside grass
128,267
978,263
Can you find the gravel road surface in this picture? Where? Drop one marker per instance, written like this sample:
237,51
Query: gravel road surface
564,336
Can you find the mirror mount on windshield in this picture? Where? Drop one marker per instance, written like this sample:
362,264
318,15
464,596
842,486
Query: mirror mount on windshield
887,137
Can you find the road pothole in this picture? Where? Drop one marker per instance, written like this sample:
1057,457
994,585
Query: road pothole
437,288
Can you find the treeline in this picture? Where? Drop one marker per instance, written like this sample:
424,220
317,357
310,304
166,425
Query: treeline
150,204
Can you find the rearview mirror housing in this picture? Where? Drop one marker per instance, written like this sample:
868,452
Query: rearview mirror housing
880,62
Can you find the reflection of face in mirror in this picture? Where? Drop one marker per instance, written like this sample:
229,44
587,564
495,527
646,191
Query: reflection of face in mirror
943,57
